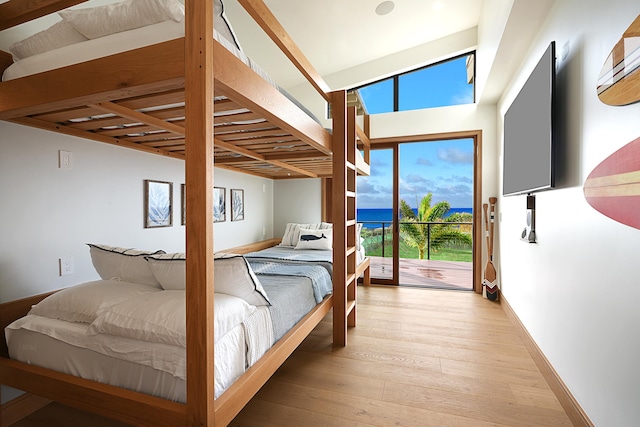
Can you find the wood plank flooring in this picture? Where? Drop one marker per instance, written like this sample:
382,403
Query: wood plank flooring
418,357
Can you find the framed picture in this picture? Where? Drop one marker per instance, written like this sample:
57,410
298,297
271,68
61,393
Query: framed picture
237,205
158,204
219,204
183,197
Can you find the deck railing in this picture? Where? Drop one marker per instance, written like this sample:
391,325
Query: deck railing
381,236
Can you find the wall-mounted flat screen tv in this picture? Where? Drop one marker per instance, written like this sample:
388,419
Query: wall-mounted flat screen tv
528,158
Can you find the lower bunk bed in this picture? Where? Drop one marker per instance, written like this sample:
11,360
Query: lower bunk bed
95,346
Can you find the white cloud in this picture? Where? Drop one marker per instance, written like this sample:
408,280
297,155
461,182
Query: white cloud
455,155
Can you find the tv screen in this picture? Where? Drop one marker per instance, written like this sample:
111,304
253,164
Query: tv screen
528,132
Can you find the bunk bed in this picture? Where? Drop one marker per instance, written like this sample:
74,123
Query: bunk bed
166,99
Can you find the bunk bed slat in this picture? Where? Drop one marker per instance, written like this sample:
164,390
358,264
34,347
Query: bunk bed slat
257,156
248,171
155,99
127,113
28,121
74,116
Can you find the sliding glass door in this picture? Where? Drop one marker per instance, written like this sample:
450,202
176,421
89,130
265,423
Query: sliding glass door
436,213
417,211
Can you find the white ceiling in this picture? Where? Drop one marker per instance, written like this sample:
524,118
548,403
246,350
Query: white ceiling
338,34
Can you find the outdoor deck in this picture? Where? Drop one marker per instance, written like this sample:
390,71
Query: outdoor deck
428,273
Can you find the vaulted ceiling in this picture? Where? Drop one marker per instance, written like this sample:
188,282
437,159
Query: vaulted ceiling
340,34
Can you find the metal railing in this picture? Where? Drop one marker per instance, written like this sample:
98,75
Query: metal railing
385,230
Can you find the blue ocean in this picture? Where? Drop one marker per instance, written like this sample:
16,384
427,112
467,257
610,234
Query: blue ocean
372,218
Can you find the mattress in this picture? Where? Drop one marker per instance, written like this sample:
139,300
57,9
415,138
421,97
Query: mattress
109,365
158,368
111,45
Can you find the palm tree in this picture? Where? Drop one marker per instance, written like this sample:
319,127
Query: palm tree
416,231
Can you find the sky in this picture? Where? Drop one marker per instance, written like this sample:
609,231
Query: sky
443,168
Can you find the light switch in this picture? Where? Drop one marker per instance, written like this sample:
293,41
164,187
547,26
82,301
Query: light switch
65,159
66,265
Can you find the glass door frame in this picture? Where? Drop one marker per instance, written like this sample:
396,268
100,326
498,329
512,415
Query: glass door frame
394,144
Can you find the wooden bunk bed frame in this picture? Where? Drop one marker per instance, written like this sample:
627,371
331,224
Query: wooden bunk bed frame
134,87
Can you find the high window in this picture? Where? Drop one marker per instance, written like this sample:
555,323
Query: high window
445,83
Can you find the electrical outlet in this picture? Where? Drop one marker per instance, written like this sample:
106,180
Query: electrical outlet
66,265
65,159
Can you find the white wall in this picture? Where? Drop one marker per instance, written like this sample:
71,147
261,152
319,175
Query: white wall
576,290
48,213
296,200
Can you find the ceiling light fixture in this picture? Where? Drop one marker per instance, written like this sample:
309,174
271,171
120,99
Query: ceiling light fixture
385,8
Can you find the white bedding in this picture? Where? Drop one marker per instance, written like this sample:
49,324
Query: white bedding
96,48
111,364
112,44
86,351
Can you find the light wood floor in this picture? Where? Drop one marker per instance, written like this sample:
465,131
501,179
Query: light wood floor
418,357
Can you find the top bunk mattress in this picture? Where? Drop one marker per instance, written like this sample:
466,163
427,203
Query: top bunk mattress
111,45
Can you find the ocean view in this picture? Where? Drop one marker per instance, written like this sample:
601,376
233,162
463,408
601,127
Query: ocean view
379,214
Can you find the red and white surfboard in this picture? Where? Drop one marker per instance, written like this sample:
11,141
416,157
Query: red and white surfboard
613,187
619,81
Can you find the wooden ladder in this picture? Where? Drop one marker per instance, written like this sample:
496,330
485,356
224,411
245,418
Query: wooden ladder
345,277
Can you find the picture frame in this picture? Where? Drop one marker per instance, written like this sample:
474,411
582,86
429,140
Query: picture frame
158,204
219,204
183,197
237,204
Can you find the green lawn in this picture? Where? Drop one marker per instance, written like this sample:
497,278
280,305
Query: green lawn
374,248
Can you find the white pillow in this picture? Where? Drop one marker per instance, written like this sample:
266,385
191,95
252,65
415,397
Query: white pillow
126,264
234,276
292,232
315,239
127,15
156,317
58,35
221,24
83,303
170,270
161,317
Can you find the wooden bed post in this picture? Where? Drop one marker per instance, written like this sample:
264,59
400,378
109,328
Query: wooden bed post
199,227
